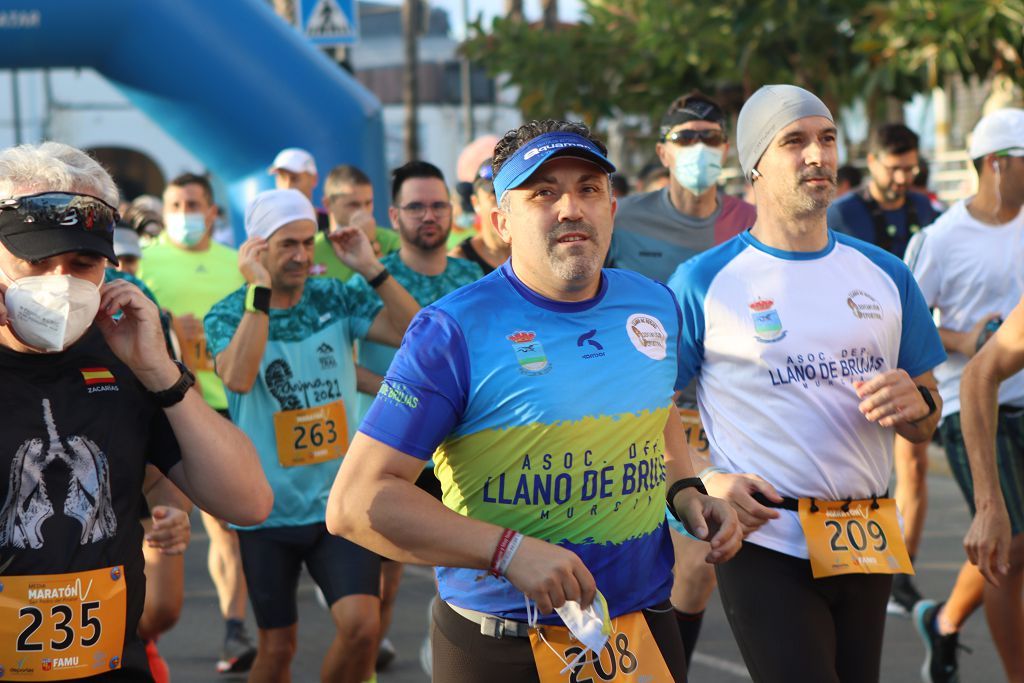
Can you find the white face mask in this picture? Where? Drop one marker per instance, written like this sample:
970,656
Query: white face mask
185,228
50,312
592,627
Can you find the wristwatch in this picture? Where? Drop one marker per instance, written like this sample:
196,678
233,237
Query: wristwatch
177,391
685,483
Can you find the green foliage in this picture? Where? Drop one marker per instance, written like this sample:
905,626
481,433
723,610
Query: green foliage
636,56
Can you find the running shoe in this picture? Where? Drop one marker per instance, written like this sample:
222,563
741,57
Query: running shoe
238,653
940,659
385,654
904,596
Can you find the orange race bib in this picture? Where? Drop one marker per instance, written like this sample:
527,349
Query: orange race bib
695,434
194,353
631,654
311,435
859,537
61,627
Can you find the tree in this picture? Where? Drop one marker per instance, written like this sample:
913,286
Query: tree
635,56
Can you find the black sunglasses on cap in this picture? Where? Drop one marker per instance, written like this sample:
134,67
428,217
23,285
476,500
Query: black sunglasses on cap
64,209
685,138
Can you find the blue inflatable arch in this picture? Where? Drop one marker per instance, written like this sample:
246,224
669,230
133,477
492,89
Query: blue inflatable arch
231,81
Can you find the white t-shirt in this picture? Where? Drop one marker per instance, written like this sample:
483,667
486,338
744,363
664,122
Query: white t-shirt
967,269
776,340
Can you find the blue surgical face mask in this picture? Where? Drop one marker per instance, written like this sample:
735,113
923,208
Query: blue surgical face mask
185,228
697,167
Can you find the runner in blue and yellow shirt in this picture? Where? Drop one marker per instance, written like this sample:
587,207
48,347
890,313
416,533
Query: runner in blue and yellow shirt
544,393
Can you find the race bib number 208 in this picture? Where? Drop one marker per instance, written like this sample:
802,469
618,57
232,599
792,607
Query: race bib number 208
60,627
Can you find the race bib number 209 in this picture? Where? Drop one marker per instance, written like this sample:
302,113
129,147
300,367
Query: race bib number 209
60,627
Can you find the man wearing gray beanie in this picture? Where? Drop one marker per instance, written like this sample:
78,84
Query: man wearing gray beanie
811,350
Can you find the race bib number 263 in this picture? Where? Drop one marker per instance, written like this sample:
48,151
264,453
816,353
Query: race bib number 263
61,627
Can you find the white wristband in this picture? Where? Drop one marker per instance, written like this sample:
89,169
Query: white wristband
506,559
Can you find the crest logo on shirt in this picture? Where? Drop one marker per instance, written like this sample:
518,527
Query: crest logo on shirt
863,305
529,352
648,335
767,324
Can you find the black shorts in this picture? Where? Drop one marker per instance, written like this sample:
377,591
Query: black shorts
429,482
272,558
792,627
464,655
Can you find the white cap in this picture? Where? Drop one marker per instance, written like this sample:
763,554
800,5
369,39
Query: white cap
295,160
126,243
273,209
1001,130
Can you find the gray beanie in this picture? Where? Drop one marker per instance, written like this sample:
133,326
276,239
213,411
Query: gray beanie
769,110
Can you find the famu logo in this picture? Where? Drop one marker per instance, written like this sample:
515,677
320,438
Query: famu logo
863,305
530,353
767,324
325,354
59,663
648,335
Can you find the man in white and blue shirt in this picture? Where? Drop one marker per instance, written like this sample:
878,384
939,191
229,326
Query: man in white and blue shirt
810,350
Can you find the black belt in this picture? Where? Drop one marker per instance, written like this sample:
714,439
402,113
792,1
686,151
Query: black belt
793,504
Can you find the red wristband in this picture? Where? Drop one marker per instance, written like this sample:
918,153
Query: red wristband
499,552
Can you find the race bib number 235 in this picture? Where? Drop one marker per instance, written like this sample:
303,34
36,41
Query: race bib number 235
60,627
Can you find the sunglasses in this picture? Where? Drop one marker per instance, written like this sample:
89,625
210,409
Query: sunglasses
65,209
486,172
685,138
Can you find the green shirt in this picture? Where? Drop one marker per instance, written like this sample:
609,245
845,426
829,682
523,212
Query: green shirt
190,283
426,289
326,263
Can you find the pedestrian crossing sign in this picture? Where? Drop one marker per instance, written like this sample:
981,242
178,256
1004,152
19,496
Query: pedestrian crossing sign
328,22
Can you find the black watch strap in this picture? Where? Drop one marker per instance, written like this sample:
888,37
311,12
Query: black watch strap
926,394
685,483
176,392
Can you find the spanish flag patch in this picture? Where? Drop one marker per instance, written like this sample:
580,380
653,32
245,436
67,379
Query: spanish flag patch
97,376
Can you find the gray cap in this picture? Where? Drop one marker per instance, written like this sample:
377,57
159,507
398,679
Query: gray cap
769,110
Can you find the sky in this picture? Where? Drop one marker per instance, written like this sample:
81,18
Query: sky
568,10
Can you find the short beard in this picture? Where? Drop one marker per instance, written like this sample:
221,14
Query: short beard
412,236
805,202
575,268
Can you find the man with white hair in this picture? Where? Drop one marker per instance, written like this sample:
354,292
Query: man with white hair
811,350
283,347
90,396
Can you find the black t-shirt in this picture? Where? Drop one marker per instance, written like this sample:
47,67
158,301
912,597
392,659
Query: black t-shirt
76,431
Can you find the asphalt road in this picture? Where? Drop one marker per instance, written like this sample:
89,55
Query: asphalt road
191,648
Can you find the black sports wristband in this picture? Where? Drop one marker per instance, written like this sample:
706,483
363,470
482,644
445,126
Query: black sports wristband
688,482
929,400
379,280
